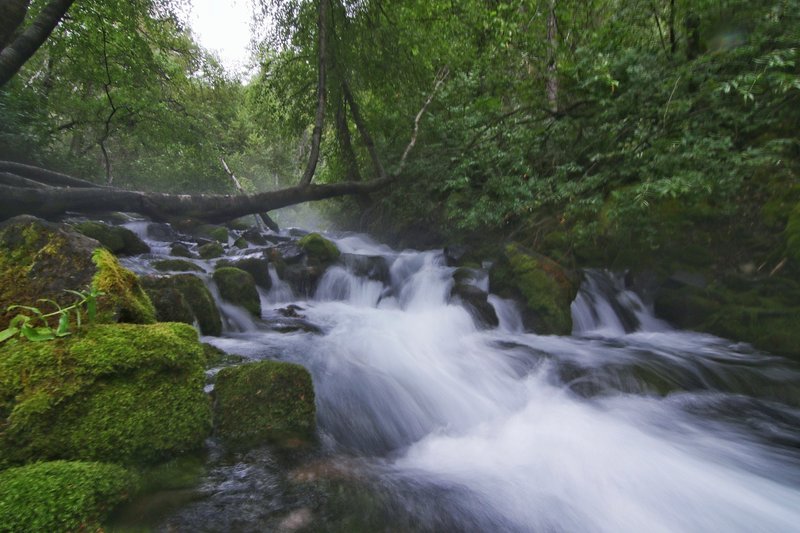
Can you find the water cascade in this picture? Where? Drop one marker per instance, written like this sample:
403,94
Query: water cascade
627,425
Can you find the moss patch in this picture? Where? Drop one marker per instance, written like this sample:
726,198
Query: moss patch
546,289
258,267
119,393
61,495
211,250
318,249
118,240
238,287
166,265
184,298
125,300
260,402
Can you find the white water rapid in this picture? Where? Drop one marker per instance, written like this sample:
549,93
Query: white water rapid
625,426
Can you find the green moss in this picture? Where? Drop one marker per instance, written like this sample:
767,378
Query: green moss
166,265
180,250
125,300
117,239
258,267
211,250
264,401
118,393
61,495
319,249
219,234
546,289
238,287
184,298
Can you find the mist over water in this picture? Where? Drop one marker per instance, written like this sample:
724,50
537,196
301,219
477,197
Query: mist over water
627,425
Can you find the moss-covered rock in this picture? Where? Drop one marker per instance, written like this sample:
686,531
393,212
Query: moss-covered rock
184,298
61,495
258,267
124,299
219,234
121,393
119,240
318,249
180,250
544,288
167,265
211,250
268,401
40,259
238,287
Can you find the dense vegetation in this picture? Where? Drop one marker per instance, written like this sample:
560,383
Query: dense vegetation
594,131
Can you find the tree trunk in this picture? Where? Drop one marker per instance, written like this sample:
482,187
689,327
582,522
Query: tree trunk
552,69
22,48
12,14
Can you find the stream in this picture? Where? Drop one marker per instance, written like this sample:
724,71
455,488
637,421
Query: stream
428,421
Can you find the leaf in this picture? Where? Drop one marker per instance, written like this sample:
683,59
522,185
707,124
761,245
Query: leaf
63,325
8,333
34,310
91,308
37,334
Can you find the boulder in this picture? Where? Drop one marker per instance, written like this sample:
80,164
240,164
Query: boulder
62,495
318,249
476,302
542,286
181,250
373,267
184,298
254,235
238,287
167,265
122,393
161,232
119,240
42,260
258,267
267,401
211,250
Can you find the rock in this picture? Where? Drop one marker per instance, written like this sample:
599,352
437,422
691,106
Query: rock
123,393
475,300
219,233
373,267
166,265
258,267
161,232
62,495
40,259
254,235
541,285
303,279
119,240
454,254
211,250
287,252
184,298
268,401
181,250
318,249
238,287
297,232
240,243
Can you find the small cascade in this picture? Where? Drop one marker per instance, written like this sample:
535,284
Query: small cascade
507,313
605,306
339,284
280,291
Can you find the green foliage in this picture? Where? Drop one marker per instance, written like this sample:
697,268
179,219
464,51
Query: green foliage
793,234
32,323
61,495
120,393
262,402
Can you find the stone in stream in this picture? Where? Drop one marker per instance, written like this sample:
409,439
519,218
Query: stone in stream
184,298
258,267
476,302
210,250
238,287
267,401
120,241
179,249
166,265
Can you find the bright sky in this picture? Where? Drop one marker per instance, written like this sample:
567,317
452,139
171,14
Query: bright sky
223,26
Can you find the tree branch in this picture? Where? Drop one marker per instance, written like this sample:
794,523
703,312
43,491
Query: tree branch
322,58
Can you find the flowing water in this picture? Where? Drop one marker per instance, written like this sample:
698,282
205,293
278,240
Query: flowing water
430,422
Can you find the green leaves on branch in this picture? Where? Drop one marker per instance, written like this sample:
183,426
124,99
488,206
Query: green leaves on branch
33,324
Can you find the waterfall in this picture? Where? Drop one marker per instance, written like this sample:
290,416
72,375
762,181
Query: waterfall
627,425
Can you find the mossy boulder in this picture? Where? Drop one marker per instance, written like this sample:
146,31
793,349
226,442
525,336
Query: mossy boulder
39,259
184,298
267,401
219,233
545,289
61,495
258,267
318,249
122,393
119,240
239,288
167,265
178,249
211,250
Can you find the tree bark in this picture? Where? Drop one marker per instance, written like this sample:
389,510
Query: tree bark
12,14
22,48
322,65
552,60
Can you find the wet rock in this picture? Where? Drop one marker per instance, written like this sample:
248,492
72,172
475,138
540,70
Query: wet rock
368,266
543,287
166,265
258,267
181,250
297,232
119,240
240,243
454,254
268,401
254,235
123,393
184,298
318,249
475,300
211,250
161,232
239,288
288,252
303,279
